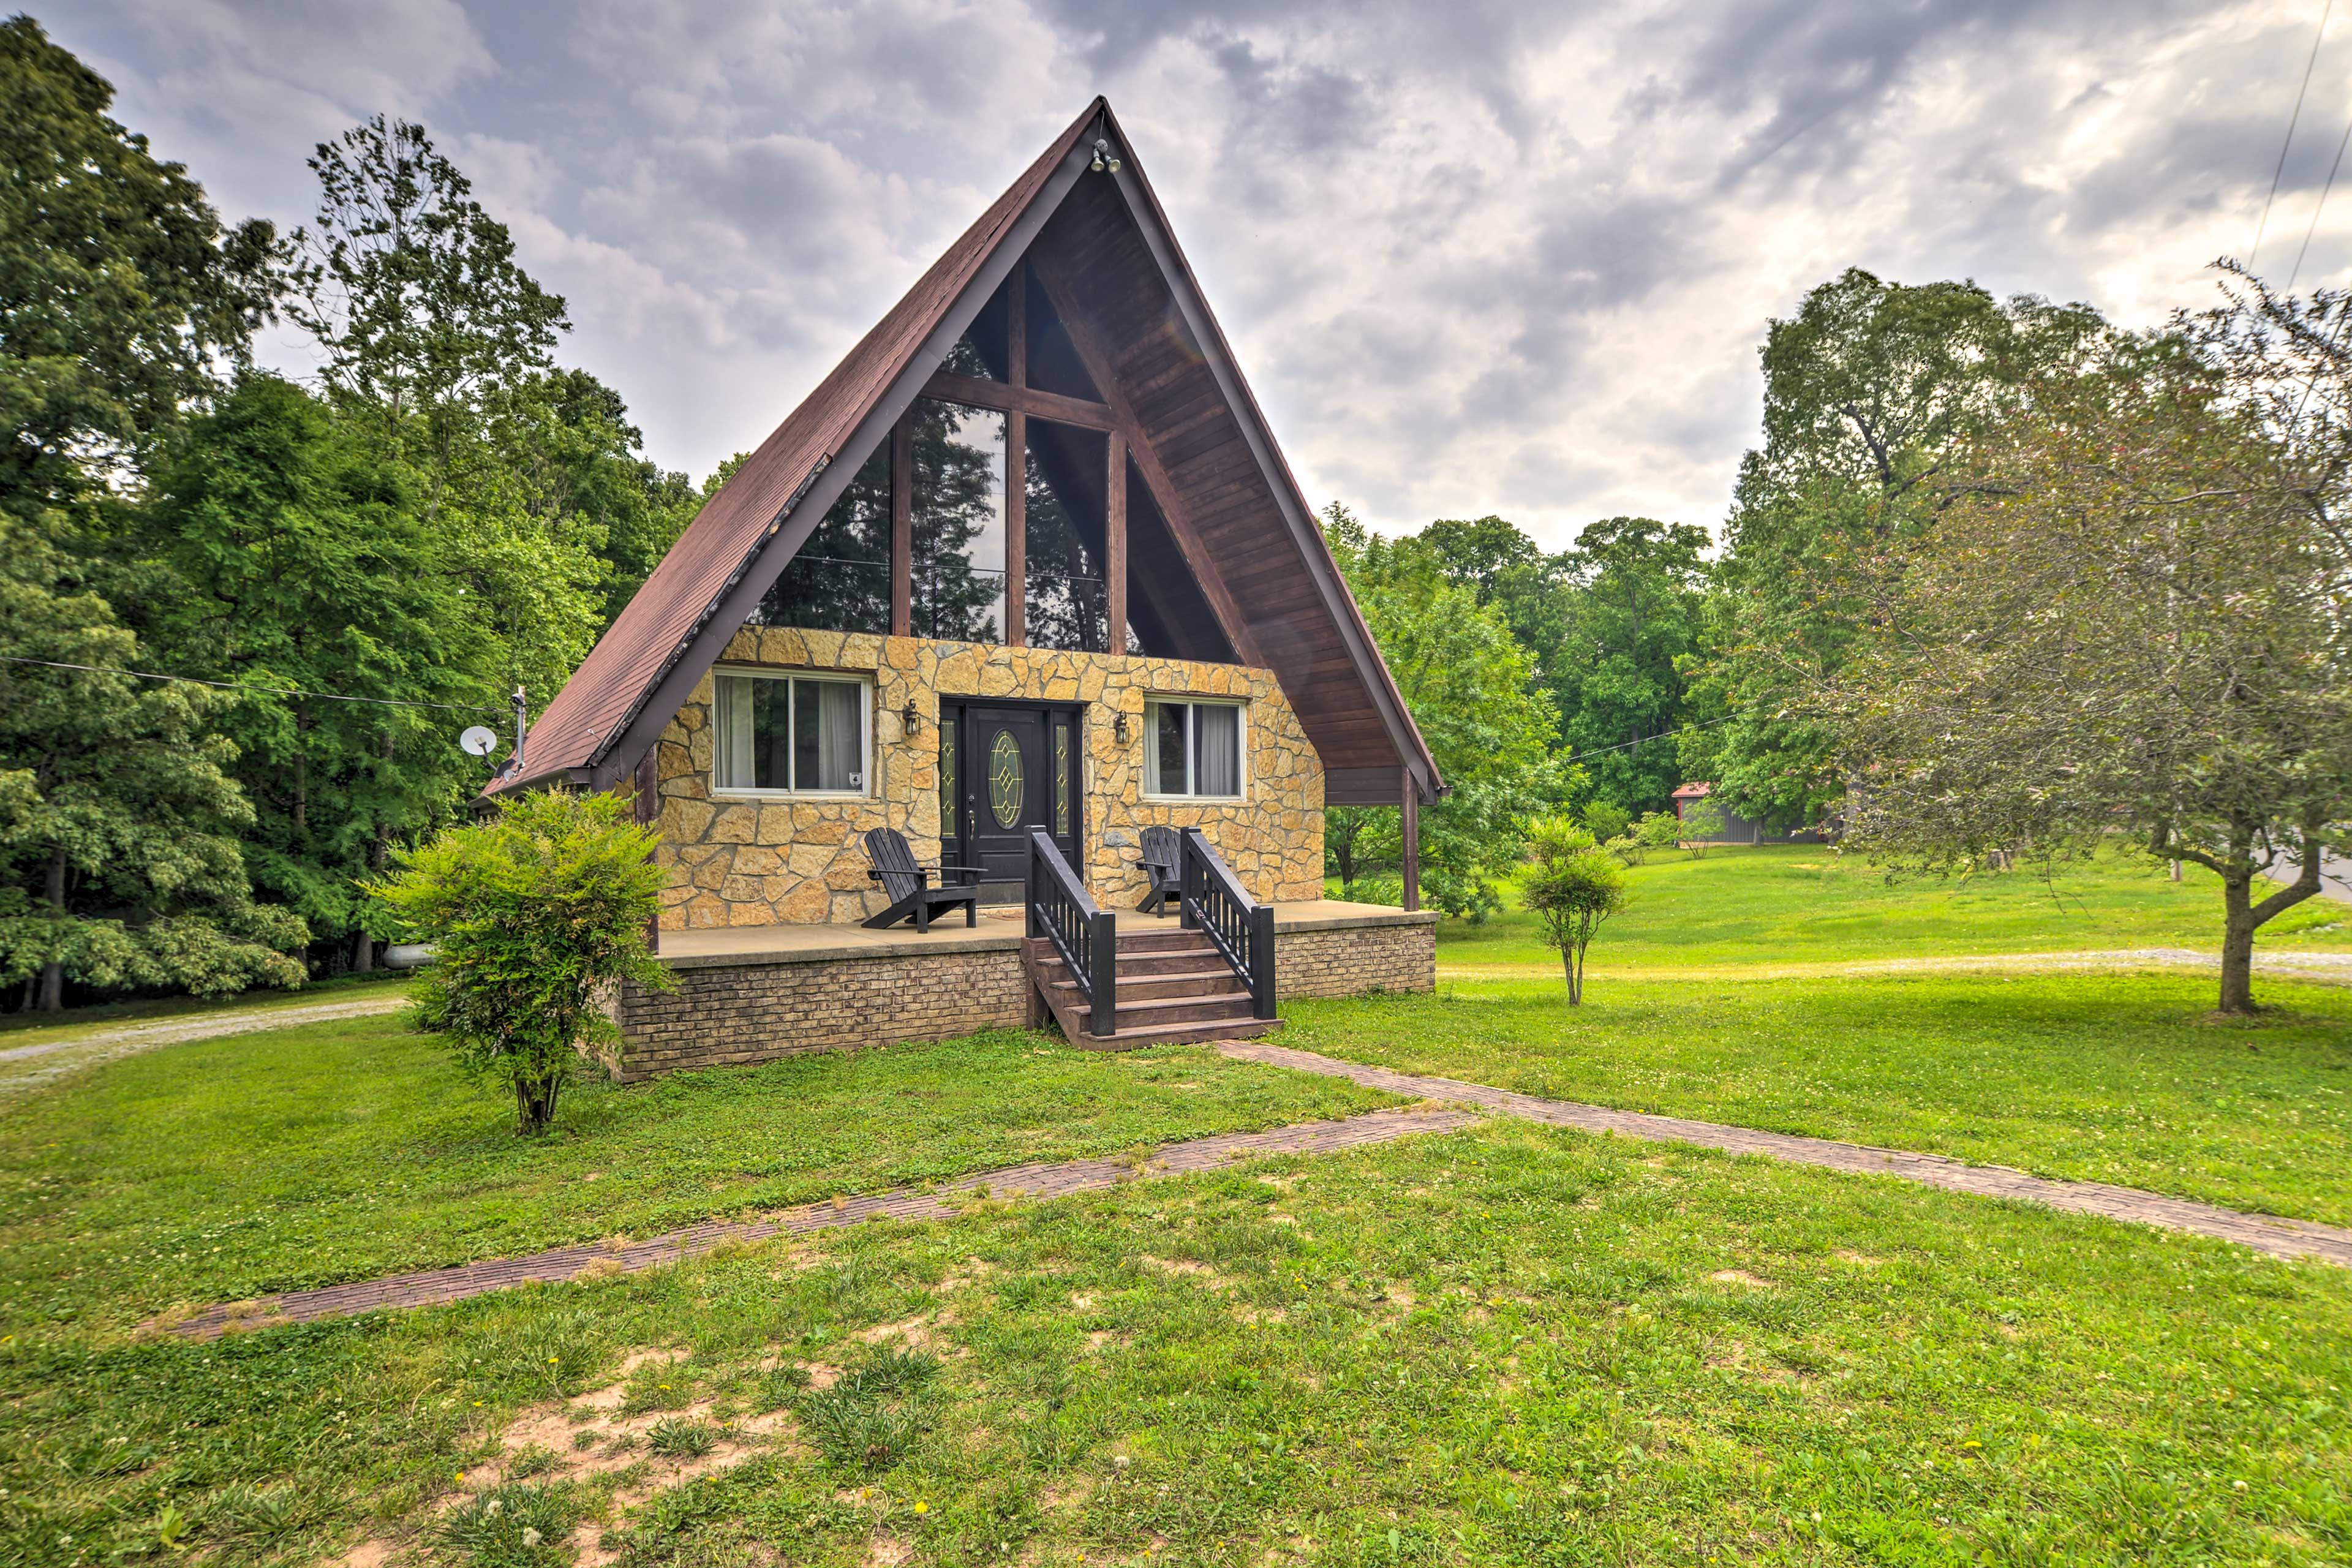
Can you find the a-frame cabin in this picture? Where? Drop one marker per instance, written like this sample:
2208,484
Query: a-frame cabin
1026,584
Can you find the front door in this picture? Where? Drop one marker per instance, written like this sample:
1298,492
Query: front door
1016,769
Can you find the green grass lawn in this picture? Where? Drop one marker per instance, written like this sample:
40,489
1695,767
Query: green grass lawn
1507,1345
2110,1078
1510,1345
227,1168
1798,905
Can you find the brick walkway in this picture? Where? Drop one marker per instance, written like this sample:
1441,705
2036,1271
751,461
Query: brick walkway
597,1258
2288,1238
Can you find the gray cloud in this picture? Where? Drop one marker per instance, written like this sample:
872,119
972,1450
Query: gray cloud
1482,256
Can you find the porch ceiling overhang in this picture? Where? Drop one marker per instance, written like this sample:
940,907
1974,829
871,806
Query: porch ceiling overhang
1194,428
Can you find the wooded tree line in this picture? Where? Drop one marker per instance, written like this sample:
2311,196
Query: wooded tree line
2002,584
367,562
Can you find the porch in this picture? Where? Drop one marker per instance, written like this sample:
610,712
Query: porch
756,993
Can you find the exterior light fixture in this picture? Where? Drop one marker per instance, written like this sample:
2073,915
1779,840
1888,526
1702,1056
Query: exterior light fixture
1104,157
910,718
1119,728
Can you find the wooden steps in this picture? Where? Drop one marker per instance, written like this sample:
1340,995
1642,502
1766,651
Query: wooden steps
1173,987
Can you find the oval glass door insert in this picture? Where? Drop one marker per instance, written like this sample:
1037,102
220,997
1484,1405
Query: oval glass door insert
1005,779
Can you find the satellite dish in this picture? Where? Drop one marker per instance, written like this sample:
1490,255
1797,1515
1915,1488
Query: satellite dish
479,740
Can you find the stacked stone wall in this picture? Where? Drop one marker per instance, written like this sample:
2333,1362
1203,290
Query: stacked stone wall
744,860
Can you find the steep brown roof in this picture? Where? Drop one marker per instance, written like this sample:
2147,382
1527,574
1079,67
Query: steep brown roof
663,617
1195,414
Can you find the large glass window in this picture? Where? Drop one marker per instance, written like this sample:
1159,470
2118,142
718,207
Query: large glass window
798,733
1053,362
840,581
959,521
1192,749
1063,584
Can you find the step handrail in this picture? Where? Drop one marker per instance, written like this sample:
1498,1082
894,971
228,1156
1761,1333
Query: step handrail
1239,927
1061,910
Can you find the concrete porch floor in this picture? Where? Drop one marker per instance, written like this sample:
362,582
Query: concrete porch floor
999,928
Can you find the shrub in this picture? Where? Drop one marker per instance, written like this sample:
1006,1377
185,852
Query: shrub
1702,823
534,913
1604,819
1659,830
1575,885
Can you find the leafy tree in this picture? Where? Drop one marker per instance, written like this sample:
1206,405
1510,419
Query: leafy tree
1631,619
412,292
439,347
570,436
1500,563
534,915
1604,819
2131,619
291,556
120,296
1472,691
1702,823
118,818
1868,390
1572,888
118,289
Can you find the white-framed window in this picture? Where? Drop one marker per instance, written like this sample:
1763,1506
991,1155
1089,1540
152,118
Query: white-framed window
1192,749
790,734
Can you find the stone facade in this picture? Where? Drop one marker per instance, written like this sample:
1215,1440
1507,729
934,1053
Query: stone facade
767,861
738,1012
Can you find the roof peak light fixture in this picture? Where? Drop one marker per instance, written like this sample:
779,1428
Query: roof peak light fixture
1104,157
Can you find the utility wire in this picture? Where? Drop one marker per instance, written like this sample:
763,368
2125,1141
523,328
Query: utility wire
2290,120
2330,185
1645,739
243,686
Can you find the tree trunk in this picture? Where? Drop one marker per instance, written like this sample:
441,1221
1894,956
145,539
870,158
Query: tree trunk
53,972
1574,955
363,953
2237,942
2175,870
535,1102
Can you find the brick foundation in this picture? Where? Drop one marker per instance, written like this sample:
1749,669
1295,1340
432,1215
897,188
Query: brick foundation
734,1014
1348,959
737,1011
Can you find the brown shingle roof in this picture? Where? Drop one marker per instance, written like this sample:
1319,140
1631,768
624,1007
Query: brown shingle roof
1327,663
629,659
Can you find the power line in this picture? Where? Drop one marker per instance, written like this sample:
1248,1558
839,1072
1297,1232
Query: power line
2289,141
2330,185
245,686
1645,739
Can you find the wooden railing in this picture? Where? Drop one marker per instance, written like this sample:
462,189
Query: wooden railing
1240,928
1062,912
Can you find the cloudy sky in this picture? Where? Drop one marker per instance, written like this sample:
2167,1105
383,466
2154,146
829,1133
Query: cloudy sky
1475,255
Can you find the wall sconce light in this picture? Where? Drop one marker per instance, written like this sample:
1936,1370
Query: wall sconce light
1119,728
1104,157
911,719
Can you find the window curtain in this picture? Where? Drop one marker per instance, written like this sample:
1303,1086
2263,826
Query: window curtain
1217,740
839,755
733,698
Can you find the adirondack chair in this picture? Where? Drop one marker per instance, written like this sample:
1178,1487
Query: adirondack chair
909,884
1162,863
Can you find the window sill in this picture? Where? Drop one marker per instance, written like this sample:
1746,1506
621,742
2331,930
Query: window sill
807,794
1150,799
